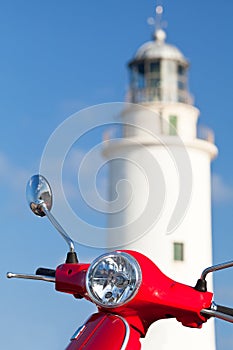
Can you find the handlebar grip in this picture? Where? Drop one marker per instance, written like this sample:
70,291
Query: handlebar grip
225,310
45,272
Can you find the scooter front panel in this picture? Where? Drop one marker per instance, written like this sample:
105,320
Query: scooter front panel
103,332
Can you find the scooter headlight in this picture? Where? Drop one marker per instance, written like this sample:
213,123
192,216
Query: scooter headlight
113,279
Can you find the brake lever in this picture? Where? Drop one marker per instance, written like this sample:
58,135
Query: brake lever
31,277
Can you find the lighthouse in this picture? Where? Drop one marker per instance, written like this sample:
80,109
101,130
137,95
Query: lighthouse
160,181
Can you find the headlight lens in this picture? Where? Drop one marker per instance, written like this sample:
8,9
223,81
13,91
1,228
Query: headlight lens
113,279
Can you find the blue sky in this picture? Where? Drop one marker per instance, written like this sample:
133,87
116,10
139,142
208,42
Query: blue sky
58,57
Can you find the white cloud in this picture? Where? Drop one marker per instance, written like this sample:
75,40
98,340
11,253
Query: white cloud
222,192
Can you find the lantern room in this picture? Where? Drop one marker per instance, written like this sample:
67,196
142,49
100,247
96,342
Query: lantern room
159,73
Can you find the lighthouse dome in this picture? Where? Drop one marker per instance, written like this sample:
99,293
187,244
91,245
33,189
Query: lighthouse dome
158,49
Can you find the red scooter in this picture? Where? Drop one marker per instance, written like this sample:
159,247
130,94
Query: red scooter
128,289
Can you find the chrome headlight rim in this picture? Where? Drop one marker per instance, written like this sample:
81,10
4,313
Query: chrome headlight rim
138,277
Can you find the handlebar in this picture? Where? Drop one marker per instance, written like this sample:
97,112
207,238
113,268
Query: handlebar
222,312
48,275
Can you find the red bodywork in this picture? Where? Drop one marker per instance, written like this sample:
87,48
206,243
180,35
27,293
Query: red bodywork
158,297
105,331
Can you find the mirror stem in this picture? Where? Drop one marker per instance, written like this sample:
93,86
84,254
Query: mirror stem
201,284
59,228
216,268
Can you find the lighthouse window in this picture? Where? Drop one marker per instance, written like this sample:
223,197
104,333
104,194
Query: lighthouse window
155,67
178,251
181,70
173,125
141,69
141,75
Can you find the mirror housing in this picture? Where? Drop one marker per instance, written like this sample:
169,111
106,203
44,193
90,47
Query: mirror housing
39,195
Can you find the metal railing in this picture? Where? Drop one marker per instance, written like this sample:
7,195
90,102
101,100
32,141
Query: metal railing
158,94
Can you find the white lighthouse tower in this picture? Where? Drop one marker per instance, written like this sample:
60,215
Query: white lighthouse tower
160,181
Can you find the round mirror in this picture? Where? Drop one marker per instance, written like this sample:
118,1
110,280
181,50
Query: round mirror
38,192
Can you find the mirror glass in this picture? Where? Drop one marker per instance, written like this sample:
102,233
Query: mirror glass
38,192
